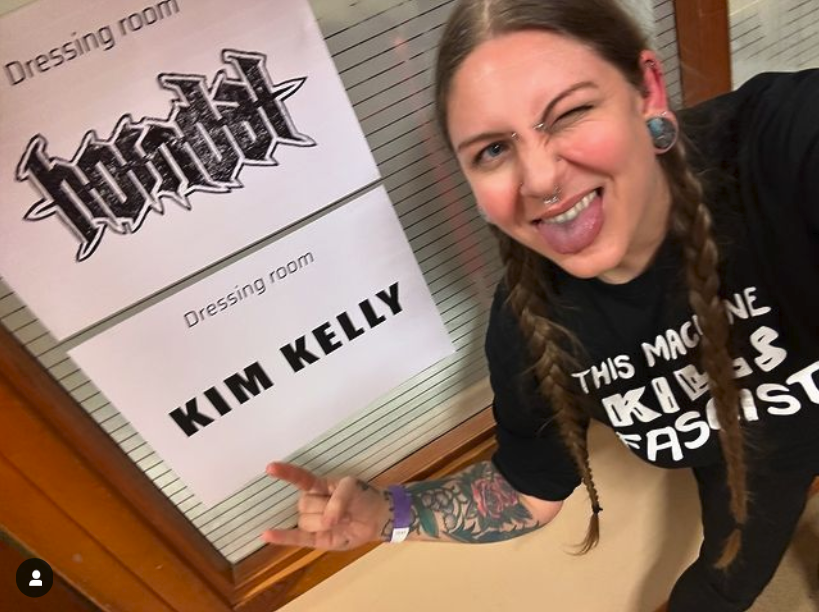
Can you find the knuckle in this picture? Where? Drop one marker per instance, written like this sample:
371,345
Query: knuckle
307,523
347,482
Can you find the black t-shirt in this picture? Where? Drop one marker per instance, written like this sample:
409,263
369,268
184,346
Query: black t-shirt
757,153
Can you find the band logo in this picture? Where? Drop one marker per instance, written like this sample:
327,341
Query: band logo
209,136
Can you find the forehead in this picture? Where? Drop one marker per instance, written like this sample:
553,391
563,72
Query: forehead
521,72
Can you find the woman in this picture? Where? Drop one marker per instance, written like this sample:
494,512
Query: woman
673,299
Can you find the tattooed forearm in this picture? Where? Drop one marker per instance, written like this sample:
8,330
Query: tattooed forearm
476,505
386,530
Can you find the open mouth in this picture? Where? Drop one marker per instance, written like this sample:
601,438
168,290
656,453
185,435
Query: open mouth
572,213
575,228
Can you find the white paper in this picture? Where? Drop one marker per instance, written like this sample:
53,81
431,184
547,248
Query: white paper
257,130
325,277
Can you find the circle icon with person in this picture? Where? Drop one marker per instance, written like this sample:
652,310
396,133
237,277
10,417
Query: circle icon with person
34,577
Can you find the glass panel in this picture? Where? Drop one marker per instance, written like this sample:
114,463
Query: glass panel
773,35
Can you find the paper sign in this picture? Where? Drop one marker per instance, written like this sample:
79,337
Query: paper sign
140,143
262,357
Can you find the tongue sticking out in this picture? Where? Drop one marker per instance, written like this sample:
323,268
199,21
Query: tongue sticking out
575,235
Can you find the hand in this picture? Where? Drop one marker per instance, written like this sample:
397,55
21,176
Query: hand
334,514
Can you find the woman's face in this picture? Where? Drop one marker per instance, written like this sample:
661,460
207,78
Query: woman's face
593,147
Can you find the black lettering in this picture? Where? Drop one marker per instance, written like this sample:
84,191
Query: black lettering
149,14
203,130
56,56
254,375
217,401
135,22
369,314
188,418
17,67
324,336
390,298
165,7
106,35
210,134
165,148
42,63
100,165
70,51
65,194
350,330
163,181
297,354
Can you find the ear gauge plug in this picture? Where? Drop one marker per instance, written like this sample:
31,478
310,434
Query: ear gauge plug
663,131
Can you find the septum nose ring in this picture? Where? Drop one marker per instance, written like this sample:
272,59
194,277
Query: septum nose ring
554,199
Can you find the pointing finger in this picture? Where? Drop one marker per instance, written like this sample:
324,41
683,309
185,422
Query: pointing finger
299,477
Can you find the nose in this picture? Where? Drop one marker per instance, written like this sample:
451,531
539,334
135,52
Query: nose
539,166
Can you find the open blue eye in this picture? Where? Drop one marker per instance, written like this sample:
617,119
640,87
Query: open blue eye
490,152
494,149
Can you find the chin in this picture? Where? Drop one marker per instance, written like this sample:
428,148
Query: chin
581,270
591,262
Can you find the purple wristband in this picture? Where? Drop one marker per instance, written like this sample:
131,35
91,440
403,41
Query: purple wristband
402,515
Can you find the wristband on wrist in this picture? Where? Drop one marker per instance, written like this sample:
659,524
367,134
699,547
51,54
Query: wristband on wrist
402,514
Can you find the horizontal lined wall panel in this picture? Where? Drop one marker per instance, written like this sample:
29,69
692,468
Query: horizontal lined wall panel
773,35
384,51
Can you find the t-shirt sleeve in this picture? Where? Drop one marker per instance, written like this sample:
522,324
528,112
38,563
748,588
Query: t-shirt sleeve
759,147
531,454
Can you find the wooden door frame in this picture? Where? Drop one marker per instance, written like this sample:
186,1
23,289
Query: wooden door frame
703,38
74,498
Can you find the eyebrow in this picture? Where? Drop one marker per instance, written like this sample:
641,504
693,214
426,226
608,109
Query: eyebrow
549,108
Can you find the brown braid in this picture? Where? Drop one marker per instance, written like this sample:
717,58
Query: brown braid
691,222
527,299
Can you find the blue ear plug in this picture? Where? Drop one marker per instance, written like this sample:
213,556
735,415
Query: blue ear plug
663,133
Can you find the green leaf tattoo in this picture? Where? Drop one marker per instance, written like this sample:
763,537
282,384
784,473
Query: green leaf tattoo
477,505
427,522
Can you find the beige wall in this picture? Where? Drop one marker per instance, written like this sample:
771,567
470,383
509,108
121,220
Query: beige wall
649,534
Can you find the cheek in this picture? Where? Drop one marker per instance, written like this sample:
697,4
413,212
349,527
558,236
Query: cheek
497,194
600,147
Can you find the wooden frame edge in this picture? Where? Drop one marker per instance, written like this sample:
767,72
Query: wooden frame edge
703,38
